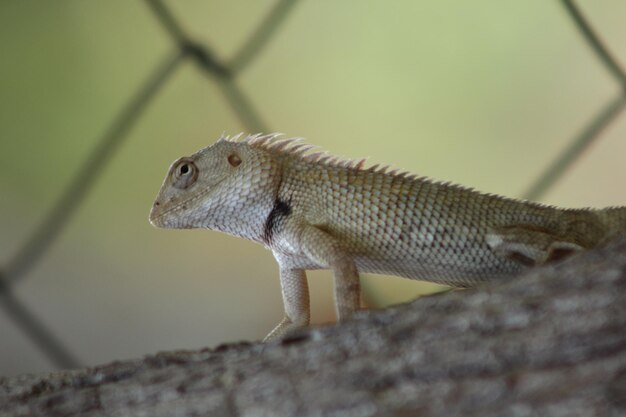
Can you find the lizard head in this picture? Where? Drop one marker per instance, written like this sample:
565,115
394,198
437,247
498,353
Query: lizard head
218,187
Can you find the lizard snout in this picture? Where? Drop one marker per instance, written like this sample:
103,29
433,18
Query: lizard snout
155,214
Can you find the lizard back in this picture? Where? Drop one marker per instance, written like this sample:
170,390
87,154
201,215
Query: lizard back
399,224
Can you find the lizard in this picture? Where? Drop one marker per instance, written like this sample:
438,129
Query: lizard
317,211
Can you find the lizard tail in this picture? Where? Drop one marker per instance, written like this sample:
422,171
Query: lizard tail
614,221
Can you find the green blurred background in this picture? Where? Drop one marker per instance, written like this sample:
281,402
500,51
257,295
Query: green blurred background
484,93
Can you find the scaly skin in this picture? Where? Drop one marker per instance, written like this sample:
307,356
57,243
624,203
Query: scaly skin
315,211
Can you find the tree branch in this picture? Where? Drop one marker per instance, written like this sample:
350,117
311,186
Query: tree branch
551,343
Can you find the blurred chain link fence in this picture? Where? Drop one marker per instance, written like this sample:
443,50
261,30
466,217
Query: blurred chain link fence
224,75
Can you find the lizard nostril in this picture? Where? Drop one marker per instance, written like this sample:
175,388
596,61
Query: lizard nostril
156,203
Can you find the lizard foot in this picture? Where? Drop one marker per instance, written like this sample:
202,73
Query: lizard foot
285,328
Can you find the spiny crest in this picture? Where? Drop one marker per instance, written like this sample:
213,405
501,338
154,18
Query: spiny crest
293,146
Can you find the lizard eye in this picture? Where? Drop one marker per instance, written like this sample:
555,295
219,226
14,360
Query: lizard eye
185,173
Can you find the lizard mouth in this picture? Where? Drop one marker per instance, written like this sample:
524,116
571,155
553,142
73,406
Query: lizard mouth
159,213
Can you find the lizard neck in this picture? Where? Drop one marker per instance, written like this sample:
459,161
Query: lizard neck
244,210
246,221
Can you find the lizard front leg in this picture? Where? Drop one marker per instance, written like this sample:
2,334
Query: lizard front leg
295,292
323,249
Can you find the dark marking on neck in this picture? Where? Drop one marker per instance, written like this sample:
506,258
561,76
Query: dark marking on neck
280,211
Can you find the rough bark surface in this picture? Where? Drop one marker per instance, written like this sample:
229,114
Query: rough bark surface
552,343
